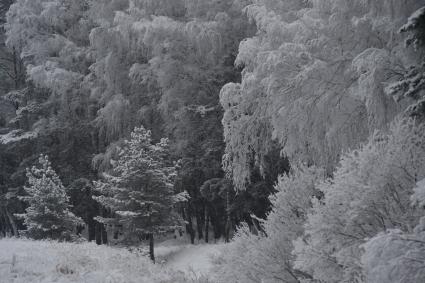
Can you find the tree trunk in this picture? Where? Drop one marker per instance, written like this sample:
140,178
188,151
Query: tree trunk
98,234
91,226
3,224
104,235
151,247
199,224
227,226
13,224
206,224
189,227
15,68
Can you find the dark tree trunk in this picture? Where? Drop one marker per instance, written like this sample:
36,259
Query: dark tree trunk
227,226
227,232
104,235
199,224
151,247
15,68
191,231
206,224
80,229
215,223
189,227
91,226
3,224
12,224
98,234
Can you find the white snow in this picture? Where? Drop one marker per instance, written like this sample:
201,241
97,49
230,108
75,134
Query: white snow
419,193
194,260
16,136
413,20
23,261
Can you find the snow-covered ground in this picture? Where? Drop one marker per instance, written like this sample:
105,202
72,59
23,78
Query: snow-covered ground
195,261
23,261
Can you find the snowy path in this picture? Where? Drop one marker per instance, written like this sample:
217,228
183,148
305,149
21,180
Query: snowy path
194,260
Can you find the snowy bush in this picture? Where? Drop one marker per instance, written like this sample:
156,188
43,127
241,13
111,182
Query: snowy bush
267,257
370,193
397,256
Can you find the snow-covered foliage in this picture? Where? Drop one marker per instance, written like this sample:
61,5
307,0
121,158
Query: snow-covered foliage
369,193
23,261
313,80
416,25
397,256
267,257
152,59
418,198
48,214
139,190
51,37
16,136
411,84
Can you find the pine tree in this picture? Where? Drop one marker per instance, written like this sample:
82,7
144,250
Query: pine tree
411,84
48,214
139,189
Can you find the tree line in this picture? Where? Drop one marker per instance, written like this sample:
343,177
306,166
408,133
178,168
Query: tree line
90,72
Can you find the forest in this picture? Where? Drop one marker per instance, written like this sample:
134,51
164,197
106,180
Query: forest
286,135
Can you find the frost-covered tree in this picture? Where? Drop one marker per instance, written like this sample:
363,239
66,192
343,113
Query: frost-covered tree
171,66
11,68
48,214
313,80
51,38
397,256
411,85
139,190
267,256
369,193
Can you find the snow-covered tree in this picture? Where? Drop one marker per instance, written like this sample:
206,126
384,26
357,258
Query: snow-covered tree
51,38
397,256
267,256
411,83
313,79
48,214
139,190
370,193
